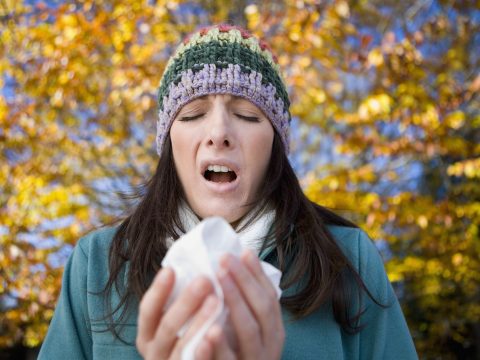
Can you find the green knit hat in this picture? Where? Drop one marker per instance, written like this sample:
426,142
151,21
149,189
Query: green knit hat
223,59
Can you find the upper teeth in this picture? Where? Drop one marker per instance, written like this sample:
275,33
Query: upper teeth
218,168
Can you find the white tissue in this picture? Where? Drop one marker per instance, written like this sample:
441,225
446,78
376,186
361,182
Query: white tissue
198,253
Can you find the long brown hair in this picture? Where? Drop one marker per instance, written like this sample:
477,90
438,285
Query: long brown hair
306,252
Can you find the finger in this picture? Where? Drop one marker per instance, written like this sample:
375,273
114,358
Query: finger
206,312
252,262
218,339
259,301
271,322
151,306
246,327
204,350
179,313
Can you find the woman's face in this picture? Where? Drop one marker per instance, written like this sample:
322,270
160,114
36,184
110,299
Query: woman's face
221,148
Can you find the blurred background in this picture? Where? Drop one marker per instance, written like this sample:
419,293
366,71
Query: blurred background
385,130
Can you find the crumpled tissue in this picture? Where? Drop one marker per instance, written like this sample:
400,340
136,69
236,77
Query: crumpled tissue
198,253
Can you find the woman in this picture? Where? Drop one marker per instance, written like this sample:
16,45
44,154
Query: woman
222,137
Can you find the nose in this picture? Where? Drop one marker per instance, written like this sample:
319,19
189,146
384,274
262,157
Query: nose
220,133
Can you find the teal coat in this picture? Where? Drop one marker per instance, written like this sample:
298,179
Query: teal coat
75,331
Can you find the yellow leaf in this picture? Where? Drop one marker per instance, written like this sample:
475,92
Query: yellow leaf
57,99
69,20
422,221
342,9
457,259
375,57
375,105
455,120
3,111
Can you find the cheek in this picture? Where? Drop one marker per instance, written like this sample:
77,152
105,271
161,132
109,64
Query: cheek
182,147
259,154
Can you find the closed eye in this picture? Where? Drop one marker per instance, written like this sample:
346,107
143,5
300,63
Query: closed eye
188,118
248,118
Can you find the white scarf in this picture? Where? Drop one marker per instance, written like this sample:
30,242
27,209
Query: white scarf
251,237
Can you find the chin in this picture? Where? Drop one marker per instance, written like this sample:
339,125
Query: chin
230,215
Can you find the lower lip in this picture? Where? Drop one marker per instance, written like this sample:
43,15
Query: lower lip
222,187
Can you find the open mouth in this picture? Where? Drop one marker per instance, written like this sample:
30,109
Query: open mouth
219,174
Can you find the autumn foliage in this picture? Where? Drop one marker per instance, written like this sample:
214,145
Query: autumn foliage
386,130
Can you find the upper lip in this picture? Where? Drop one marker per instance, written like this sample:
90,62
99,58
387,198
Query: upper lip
224,162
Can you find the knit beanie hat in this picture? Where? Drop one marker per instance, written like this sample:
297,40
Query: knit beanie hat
223,59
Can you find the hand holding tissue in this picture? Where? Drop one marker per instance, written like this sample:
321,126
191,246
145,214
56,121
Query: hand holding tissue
198,253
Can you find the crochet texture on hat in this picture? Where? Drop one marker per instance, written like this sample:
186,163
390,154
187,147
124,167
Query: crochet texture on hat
223,59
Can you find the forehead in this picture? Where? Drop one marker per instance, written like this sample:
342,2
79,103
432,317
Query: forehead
225,98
